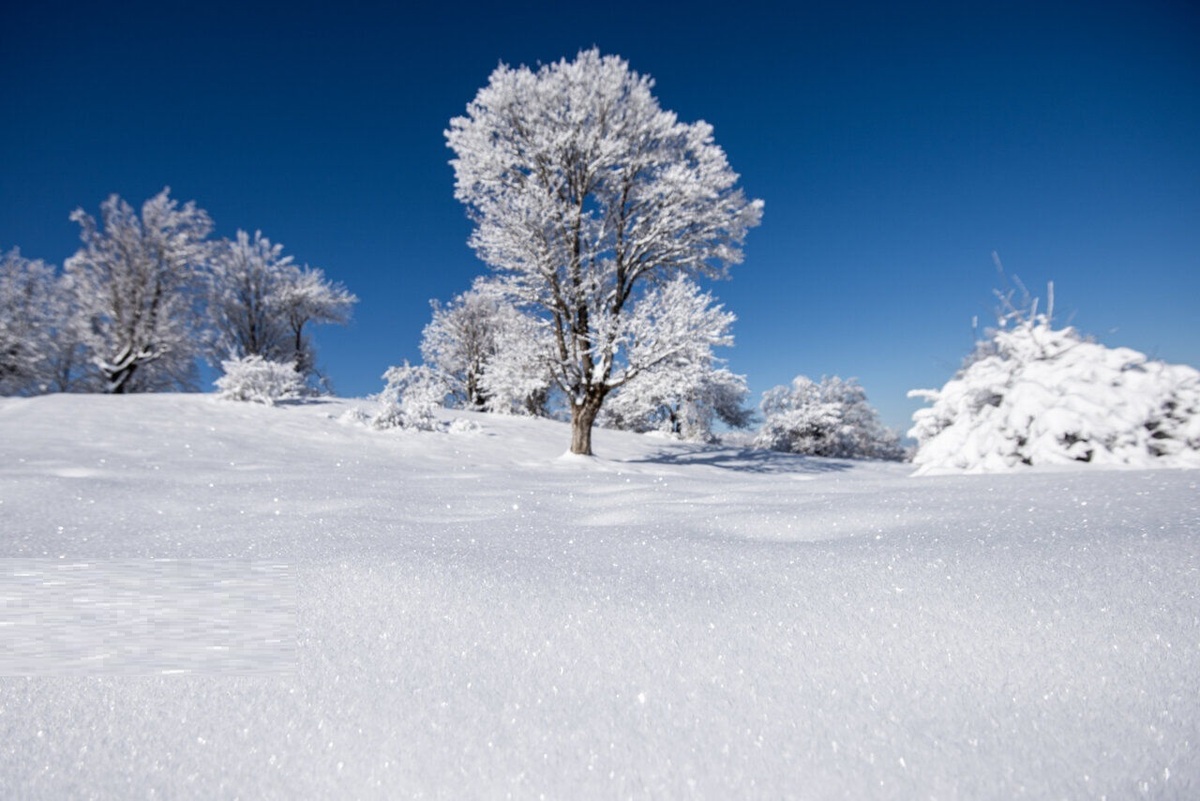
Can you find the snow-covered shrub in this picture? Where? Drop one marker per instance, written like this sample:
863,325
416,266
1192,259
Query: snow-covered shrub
462,427
1036,395
829,418
253,378
671,381
411,398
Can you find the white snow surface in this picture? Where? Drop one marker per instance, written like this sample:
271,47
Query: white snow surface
478,616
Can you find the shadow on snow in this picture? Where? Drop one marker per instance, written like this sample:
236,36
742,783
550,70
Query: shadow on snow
748,460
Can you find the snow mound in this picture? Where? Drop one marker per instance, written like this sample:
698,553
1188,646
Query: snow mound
1039,396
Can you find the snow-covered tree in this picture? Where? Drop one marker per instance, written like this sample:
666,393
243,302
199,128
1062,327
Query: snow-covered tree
261,302
827,418
308,297
686,392
27,294
139,282
686,404
584,192
253,378
411,398
68,361
1033,394
248,276
490,352
517,378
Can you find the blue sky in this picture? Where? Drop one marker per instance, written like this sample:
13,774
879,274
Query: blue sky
896,147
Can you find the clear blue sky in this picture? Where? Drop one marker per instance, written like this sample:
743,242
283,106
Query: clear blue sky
895,145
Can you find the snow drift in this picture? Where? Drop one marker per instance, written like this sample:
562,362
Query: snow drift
475,615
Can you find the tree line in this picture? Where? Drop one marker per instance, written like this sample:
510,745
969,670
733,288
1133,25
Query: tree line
148,296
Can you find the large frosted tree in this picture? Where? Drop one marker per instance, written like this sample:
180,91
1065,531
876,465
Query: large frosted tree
139,281
585,195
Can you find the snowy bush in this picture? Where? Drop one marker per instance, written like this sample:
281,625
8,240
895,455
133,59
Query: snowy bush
1036,395
463,427
830,418
253,378
411,398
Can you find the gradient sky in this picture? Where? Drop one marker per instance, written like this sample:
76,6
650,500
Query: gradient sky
896,147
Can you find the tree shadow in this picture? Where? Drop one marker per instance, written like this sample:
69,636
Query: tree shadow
319,400
750,460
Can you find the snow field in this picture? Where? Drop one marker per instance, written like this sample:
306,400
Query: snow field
480,616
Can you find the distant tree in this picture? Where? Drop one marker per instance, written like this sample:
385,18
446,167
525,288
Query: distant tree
308,297
139,283
27,323
686,405
1035,394
688,392
584,193
492,355
69,363
261,302
518,377
830,418
248,277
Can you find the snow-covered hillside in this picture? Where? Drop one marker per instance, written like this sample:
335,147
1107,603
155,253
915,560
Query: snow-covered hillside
205,599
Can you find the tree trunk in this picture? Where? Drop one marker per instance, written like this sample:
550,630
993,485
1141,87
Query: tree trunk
583,416
117,380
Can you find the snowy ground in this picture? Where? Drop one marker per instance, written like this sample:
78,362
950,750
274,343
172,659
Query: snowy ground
214,600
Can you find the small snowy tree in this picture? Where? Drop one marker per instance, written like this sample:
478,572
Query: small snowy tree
830,418
69,367
411,398
248,276
1033,394
517,378
27,323
307,297
686,404
253,378
491,354
677,385
261,302
139,282
584,192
